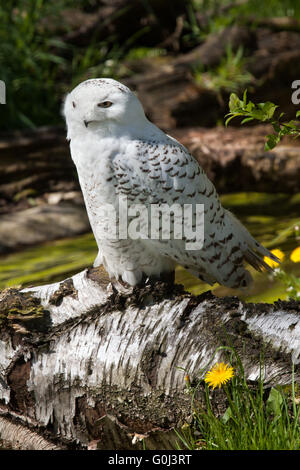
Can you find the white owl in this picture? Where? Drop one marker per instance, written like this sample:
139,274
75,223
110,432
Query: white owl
119,153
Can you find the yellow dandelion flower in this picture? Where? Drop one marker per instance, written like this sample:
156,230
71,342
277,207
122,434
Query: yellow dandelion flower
272,263
295,255
187,379
219,375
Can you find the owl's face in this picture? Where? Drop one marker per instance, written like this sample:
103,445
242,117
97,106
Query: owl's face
98,103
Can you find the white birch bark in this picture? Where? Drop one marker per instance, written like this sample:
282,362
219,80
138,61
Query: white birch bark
87,362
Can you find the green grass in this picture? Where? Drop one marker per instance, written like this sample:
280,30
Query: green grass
229,75
29,65
256,418
39,68
235,12
214,19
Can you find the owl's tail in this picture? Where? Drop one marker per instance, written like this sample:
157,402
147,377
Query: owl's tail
252,251
233,246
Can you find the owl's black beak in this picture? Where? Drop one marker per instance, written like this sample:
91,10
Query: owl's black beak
86,123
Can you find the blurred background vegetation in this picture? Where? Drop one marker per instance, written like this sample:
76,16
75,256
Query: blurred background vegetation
41,56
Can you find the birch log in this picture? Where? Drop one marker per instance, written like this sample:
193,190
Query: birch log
85,363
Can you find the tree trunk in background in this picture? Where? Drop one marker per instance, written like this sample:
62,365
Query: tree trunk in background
87,363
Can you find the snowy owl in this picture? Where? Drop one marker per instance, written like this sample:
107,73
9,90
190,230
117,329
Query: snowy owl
120,154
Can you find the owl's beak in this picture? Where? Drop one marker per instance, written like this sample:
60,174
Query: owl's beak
86,122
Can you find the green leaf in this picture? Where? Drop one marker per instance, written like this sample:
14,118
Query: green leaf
272,141
247,120
298,113
269,109
290,124
266,110
235,103
250,106
274,402
276,127
227,415
259,114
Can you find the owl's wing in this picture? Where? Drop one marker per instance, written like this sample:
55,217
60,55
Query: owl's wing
164,172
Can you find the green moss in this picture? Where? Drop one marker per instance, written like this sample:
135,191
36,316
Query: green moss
21,308
48,262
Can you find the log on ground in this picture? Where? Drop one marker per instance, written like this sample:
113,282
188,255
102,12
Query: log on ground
86,363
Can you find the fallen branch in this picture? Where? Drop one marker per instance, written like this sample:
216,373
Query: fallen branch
92,364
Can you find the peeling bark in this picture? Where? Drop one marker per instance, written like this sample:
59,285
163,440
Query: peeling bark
22,438
85,363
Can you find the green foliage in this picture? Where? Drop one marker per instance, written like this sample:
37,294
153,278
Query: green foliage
218,14
229,75
255,418
263,112
39,68
137,53
28,66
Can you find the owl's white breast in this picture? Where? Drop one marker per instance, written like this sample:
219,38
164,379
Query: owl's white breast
93,159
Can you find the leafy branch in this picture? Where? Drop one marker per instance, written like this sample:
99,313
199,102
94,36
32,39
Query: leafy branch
263,112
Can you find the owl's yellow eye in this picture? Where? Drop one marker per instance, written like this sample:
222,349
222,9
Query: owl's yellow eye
104,104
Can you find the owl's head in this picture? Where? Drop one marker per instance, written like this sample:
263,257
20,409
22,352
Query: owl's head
101,104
